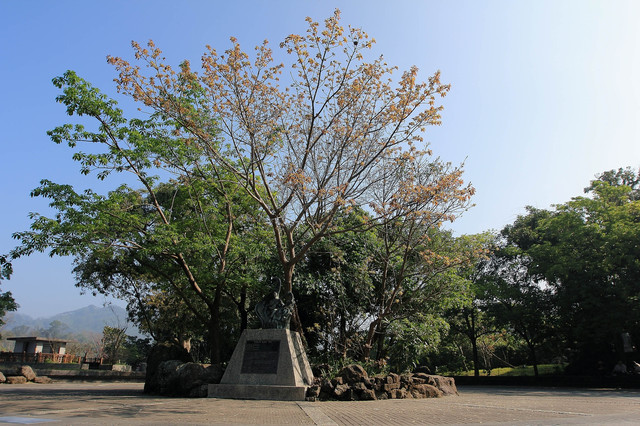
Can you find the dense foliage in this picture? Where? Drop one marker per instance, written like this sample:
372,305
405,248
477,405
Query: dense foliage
321,184
240,178
562,283
7,302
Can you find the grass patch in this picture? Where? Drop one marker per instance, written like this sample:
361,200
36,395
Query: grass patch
525,370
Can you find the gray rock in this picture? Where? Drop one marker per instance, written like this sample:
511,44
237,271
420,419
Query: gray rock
353,373
2,378
43,380
167,377
447,385
368,395
176,378
158,354
201,391
16,380
398,394
425,391
27,372
393,378
313,391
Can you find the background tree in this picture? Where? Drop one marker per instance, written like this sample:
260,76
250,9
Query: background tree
334,288
472,323
513,299
416,277
621,177
586,251
7,303
113,339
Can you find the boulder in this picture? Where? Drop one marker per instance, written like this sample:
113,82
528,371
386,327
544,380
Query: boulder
399,393
337,381
359,386
447,385
192,376
390,386
214,373
343,393
381,395
160,353
201,391
313,391
392,378
368,395
2,378
167,378
424,378
353,373
340,391
327,386
425,391
176,378
43,380
16,380
353,383
26,372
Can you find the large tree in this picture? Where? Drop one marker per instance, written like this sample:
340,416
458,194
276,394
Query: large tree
307,139
186,236
587,251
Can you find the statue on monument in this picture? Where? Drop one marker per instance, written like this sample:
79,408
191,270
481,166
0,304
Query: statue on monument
268,363
275,312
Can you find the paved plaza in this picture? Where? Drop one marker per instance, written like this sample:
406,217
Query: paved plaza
124,403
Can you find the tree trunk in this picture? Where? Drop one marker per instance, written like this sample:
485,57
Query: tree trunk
368,344
380,335
214,331
242,308
296,324
214,339
534,357
288,277
476,361
342,338
470,320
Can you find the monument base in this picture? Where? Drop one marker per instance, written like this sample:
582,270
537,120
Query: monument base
266,392
266,364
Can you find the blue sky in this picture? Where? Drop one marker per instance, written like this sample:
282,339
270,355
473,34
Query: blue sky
545,94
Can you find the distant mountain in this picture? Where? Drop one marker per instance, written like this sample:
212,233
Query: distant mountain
88,319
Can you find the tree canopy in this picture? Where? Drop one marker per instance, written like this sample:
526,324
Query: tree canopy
246,161
334,133
587,251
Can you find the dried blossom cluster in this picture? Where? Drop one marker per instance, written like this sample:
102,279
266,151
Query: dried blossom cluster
327,132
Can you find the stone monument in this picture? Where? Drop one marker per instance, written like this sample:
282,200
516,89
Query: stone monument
268,363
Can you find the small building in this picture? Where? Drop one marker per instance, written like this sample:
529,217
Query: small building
36,345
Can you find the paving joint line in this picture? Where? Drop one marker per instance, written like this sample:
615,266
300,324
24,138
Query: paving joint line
535,410
317,416
108,407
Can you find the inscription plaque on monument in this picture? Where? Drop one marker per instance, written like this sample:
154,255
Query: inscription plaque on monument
261,357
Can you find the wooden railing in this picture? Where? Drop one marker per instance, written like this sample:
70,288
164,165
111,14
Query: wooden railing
39,358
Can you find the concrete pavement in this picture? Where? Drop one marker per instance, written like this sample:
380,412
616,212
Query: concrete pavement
124,403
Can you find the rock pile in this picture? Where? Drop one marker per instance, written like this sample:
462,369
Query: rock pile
23,375
177,378
354,384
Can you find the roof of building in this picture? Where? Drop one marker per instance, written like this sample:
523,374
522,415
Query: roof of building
38,339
